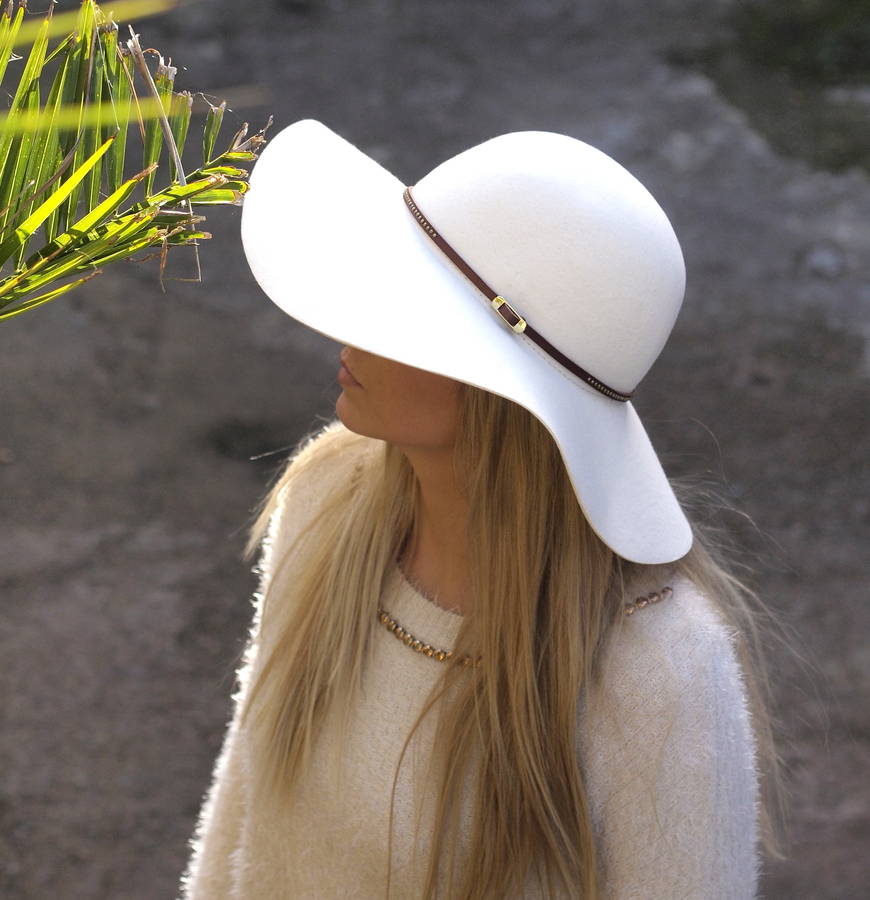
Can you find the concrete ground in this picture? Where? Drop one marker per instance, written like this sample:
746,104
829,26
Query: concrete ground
128,417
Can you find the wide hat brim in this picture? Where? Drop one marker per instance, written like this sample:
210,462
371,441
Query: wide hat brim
330,241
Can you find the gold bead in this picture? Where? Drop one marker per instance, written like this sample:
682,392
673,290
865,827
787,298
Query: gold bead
644,600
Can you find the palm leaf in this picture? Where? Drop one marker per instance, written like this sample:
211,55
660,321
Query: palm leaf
230,192
118,84
108,240
67,150
25,230
69,116
213,121
78,233
179,123
44,298
13,147
93,137
82,61
151,238
9,29
178,193
67,21
128,227
45,140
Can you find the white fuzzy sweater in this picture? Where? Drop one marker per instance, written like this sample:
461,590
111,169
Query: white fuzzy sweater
666,747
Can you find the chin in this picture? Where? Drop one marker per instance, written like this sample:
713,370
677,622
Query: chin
403,435
350,418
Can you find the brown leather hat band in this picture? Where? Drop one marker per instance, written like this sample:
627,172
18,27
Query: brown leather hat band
505,310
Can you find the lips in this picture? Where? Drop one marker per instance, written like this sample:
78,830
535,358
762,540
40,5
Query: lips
346,370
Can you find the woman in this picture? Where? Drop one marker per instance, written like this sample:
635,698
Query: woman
489,658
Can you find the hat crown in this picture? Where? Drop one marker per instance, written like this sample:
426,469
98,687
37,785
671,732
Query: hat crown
573,241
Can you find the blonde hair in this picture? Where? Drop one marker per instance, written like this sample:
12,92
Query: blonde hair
547,594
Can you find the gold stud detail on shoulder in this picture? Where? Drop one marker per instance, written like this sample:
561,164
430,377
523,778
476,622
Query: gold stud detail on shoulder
647,599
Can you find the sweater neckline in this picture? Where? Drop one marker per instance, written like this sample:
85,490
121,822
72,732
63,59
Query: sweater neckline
418,614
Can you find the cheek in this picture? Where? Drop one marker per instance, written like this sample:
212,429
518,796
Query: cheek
431,411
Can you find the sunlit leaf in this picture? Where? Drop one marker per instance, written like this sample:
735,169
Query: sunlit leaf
44,298
21,234
78,232
13,147
163,81
86,27
179,123
10,26
120,9
213,121
69,117
63,148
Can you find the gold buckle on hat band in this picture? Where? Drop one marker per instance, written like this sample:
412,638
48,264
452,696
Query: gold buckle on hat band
508,314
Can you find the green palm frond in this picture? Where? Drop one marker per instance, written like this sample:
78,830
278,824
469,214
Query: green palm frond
67,208
65,22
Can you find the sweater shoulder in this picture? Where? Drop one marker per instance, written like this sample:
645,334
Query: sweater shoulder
669,754
669,640
323,464
675,654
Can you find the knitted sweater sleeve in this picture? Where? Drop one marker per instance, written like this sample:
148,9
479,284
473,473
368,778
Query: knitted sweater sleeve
217,842
209,873
669,758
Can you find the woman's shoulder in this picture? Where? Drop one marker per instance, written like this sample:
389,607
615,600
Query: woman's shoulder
669,686
666,738
671,631
671,662
324,463
330,447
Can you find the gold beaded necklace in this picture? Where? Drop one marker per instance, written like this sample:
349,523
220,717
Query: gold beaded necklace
443,655
415,644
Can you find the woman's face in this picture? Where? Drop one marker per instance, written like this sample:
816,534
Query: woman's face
396,403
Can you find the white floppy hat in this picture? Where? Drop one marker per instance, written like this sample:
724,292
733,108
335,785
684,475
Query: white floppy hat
587,279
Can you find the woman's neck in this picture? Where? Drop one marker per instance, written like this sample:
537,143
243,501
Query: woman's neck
436,558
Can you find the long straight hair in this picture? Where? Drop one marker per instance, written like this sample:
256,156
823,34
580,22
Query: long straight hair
547,595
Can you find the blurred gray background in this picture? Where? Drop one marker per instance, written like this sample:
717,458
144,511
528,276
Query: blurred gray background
129,417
